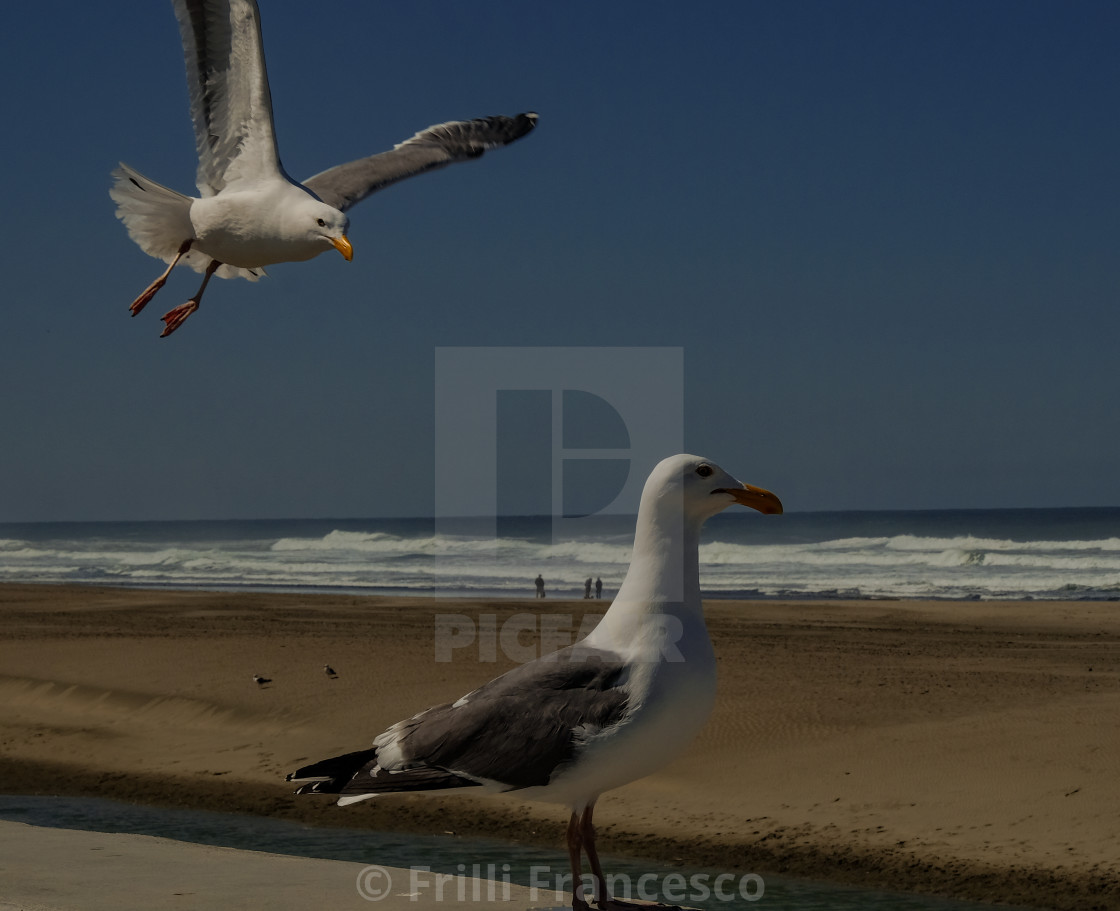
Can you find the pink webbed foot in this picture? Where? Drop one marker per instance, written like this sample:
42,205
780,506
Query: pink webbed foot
148,293
175,318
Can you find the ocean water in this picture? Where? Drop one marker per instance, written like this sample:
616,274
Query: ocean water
487,858
962,554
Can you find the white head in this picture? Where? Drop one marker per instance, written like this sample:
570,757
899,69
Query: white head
698,488
316,222
682,492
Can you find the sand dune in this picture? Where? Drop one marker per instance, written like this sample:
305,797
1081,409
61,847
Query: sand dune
958,748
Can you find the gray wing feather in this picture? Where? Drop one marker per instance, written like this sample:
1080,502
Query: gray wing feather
443,144
519,728
231,105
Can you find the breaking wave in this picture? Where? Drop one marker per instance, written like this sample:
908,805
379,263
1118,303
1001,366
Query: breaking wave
799,556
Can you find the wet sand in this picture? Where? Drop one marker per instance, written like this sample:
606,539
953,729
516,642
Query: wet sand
64,870
969,749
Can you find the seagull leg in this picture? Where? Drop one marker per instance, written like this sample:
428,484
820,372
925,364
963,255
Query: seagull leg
148,293
604,900
579,903
587,837
175,318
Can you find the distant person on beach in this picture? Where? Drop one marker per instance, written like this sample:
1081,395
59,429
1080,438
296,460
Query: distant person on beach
540,586
587,589
598,588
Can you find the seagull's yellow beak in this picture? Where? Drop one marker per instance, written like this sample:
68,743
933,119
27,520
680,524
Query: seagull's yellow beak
342,245
756,498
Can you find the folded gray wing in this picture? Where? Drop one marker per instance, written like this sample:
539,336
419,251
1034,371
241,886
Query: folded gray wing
518,729
443,144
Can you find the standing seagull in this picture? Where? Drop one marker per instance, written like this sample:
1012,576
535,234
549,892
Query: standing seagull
251,213
616,706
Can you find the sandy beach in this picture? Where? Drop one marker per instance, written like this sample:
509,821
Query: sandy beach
158,874
968,749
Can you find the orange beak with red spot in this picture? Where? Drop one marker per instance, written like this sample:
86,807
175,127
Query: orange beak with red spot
756,498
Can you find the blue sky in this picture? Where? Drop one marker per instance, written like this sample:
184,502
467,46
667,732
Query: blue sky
884,235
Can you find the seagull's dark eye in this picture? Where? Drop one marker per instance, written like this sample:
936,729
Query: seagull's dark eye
321,223
705,471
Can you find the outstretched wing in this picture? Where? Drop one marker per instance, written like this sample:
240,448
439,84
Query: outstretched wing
443,144
230,102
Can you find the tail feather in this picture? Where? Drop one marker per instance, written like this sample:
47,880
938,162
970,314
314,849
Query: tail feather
322,776
158,220
354,776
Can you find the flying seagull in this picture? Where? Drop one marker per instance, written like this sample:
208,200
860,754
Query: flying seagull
261,681
330,671
250,213
616,706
